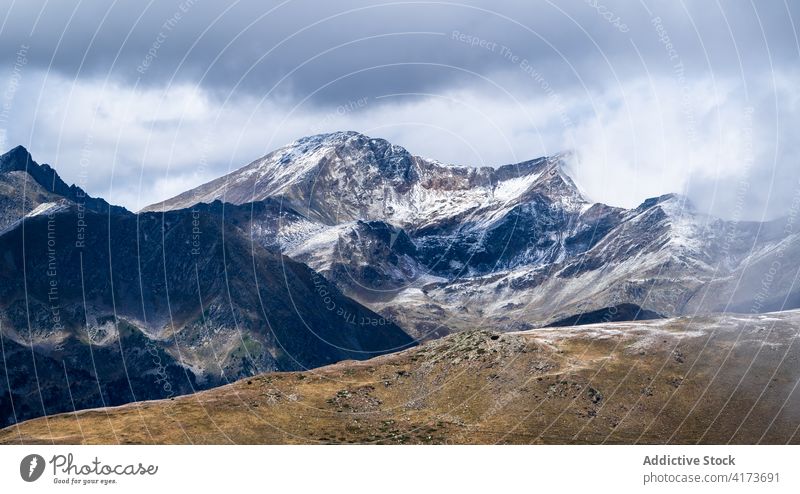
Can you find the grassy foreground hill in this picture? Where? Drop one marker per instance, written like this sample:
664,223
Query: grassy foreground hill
710,379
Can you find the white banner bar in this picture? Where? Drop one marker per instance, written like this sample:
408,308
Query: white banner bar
399,469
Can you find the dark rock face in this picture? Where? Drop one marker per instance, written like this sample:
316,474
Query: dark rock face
373,257
159,294
617,313
527,234
73,375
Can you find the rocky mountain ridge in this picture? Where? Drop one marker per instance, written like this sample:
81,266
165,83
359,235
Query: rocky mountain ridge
25,186
512,247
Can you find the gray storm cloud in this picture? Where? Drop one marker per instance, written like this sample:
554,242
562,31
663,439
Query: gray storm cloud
655,97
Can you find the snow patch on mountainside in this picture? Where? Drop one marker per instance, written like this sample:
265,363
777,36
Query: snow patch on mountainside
48,208
320,243
511,189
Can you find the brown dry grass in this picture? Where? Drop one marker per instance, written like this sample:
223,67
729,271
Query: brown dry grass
710,380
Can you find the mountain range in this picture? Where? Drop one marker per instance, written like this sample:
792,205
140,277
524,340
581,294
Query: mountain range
449,248
334,247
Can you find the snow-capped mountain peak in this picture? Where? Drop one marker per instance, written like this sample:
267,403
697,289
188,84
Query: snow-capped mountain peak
347,176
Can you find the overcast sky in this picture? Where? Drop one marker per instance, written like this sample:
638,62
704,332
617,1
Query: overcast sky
137,102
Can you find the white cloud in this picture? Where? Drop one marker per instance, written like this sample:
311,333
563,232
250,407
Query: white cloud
643,139
652,137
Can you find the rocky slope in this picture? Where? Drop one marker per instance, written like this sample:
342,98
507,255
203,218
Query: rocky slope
449,248
711,380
